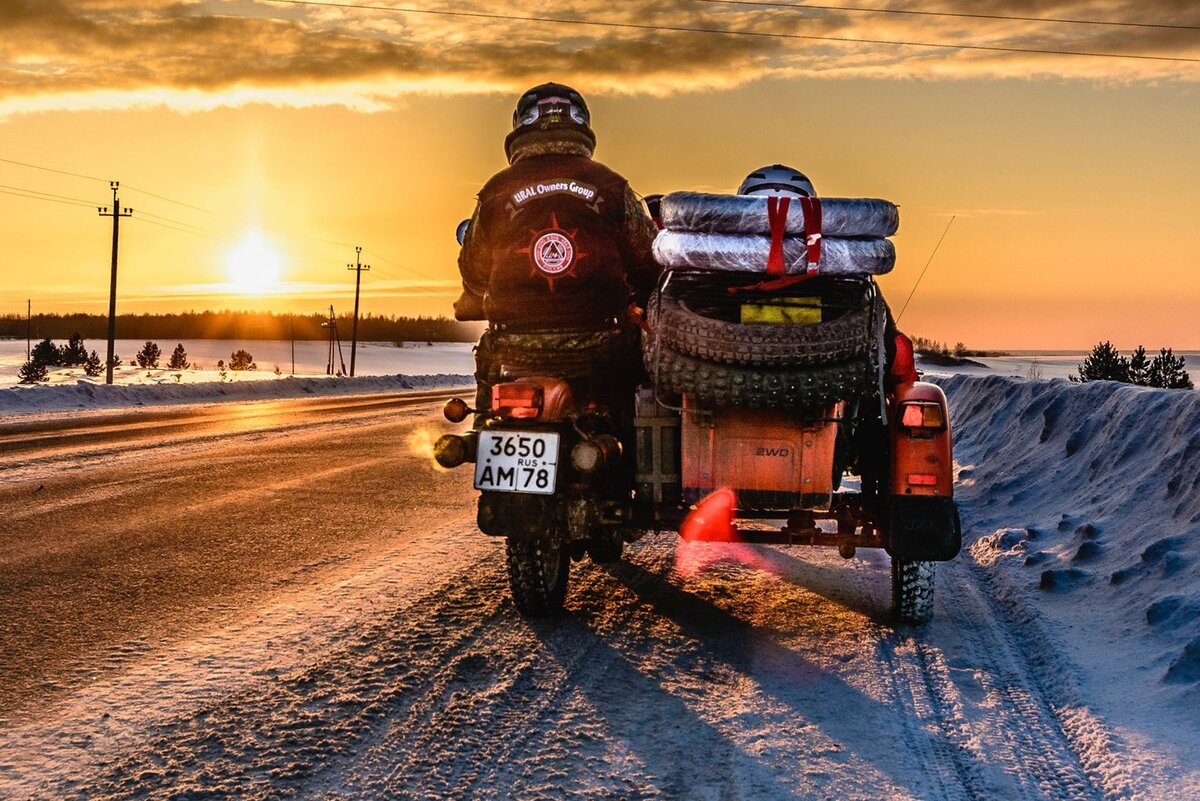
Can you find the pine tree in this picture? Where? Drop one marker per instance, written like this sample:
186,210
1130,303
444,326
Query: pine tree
73,354
1104,363
92,366
116,361
179,359
46,354
1139,366
149,355
1168,371
241,360
32,372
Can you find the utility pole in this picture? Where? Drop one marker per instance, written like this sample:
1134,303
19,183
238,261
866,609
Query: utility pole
335,342
116,213
28,326
358,268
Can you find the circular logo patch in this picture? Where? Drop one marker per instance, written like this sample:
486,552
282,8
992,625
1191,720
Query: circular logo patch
553,253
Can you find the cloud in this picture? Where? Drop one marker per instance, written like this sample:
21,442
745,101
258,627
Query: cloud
197,54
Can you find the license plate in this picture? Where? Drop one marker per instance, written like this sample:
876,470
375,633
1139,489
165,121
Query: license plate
517,461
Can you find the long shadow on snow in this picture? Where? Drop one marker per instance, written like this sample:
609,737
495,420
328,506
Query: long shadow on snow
807,690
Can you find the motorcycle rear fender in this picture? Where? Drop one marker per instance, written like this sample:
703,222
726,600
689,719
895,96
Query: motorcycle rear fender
918,454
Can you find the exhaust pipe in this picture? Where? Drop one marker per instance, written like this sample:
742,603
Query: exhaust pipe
451,450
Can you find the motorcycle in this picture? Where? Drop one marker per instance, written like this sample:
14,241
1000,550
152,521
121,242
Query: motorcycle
562,474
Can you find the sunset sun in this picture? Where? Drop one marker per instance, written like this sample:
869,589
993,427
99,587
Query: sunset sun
253,265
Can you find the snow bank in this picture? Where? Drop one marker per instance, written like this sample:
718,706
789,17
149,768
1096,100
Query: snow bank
90,395
1086,497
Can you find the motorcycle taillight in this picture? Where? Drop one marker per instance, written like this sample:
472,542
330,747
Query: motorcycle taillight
519,401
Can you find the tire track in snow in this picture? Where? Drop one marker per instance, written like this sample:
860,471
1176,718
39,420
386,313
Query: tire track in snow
1030,740
933,726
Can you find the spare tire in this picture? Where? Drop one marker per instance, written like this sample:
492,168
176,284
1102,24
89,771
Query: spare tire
749,252
713,384
747,214
764,345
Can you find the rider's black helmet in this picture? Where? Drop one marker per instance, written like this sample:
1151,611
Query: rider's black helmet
551,106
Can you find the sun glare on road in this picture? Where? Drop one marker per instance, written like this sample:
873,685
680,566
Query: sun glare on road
253,266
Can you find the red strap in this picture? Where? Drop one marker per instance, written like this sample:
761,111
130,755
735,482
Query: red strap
768,286
812,227
777,209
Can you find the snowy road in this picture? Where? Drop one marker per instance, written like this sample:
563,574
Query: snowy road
291,602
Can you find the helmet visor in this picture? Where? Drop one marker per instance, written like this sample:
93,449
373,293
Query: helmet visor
555,108
770,188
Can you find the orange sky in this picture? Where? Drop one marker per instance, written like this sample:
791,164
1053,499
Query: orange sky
1075,181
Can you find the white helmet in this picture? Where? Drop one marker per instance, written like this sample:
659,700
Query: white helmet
778,180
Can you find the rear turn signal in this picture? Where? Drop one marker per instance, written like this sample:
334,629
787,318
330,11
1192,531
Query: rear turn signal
456,410
519,401
922,415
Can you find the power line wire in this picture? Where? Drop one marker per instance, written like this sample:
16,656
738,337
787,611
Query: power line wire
51,169
33,194
728,32
957,14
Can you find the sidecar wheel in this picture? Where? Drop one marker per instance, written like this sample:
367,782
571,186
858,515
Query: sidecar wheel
538,572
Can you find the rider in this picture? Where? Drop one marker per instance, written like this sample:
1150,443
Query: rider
557,253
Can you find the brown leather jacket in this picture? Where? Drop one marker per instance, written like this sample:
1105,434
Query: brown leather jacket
558,241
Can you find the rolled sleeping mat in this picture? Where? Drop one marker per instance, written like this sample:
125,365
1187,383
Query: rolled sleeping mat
744,253
747,214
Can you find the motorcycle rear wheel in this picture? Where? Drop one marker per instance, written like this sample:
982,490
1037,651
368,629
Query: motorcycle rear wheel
538,573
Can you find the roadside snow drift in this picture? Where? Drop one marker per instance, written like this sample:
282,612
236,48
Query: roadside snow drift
1087,498
90,395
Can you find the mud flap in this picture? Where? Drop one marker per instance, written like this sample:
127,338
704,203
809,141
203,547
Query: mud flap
517,515
924,529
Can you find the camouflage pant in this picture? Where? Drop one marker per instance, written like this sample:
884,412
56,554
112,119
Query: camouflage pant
604,366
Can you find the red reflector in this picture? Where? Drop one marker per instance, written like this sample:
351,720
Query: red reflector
922,479
521,412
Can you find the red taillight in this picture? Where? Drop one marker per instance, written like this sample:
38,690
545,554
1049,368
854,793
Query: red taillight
922,415
922,480
520,401
904,366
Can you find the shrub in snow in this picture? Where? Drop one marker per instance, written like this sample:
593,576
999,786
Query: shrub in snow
241,360
32,372
73,354
116,361
149,355
46,354
179,359
1165,371
1139,366
92,366
1104,363
1168,371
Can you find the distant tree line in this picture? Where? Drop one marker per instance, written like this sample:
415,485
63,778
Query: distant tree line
932,347
241,326
1105,363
